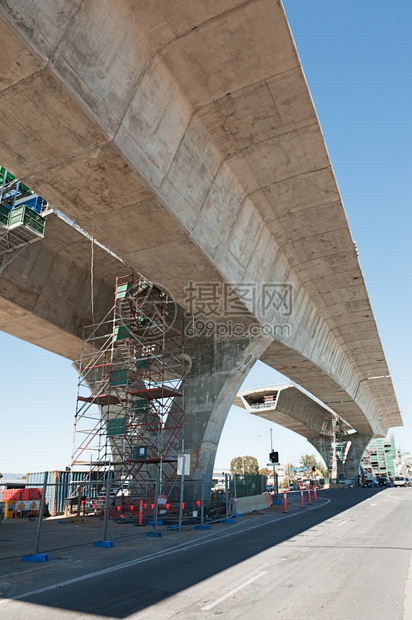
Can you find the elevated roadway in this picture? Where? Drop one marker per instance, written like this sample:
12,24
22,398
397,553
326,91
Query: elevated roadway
295,409
184,139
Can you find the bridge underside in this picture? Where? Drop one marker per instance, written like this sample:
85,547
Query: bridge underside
185,140
340,446
289,406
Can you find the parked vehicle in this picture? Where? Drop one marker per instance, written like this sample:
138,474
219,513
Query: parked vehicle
383,481
370,484
400,481
408,480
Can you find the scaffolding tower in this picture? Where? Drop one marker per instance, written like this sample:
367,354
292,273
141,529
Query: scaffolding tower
338,450
129,416
342,457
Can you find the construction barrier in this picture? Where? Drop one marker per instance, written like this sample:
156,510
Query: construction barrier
91,512
285,501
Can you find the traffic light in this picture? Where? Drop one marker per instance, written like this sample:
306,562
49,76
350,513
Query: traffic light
274,457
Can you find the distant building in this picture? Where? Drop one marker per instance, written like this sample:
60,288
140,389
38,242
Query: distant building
219,475
381,457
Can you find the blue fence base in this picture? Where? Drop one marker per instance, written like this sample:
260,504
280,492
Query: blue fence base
239,515
104,543
227,521
202,527
153,523
36,557
154,534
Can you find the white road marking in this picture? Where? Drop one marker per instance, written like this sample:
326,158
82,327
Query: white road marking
342,523
232,592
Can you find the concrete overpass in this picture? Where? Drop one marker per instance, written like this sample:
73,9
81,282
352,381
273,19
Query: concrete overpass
295,409
184,139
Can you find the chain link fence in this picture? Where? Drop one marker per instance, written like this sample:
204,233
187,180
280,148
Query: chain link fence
59,513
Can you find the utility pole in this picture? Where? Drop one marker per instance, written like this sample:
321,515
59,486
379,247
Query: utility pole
275,478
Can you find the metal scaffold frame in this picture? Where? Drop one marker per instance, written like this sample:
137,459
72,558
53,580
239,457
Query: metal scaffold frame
129,416
340,451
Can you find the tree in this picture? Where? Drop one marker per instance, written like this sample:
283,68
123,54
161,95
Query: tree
244,465
308,460
265,471
290,473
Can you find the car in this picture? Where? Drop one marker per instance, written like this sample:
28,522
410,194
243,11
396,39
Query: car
370,484
219,487
383,481
400,481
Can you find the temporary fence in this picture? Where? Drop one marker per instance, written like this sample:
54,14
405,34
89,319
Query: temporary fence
93,512
247,485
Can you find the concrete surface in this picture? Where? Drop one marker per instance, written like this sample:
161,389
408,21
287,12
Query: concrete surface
186,141
264,565
63,537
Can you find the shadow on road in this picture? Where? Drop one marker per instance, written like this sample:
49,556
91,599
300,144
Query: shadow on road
131,585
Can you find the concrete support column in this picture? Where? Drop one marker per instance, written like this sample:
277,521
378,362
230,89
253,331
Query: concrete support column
218,369
356,444
354,453
322,443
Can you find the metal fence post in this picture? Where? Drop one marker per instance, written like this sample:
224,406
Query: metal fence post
42,504
202,502
107,504
156,504
182,482
227,494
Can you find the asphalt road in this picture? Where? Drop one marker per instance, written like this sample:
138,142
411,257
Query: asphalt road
348,556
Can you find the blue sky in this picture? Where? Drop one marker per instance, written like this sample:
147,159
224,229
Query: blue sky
356,55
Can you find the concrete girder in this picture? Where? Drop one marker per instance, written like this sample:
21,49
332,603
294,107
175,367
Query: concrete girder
288,406
124,120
